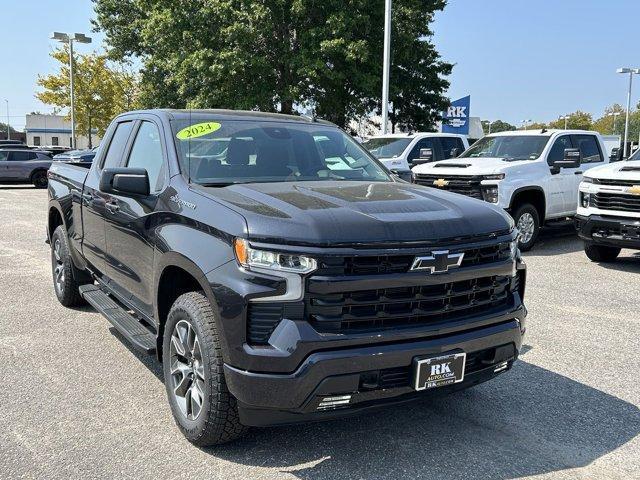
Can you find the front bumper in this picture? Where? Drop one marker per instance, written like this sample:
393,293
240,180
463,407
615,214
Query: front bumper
609,231
363,374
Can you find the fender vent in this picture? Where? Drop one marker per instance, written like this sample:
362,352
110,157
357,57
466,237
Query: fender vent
263,318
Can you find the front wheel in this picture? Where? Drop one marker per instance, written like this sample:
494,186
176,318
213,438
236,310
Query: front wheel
601,253
527,222
39,179
202,406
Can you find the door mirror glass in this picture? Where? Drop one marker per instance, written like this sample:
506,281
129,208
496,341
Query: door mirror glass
425,156
126,181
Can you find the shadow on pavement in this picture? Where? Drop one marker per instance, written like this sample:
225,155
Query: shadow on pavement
625,262
556,240
530,421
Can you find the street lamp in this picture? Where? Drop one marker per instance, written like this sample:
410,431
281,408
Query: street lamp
8,128
386,63
525,122
615,117
566,119
630,71
70,38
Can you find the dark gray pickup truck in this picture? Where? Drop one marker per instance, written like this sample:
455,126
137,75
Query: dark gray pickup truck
24,166
279,272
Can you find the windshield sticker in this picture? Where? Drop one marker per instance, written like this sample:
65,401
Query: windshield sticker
198,130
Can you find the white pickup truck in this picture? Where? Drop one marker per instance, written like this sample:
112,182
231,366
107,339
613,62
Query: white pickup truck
400,151
534,174
608,216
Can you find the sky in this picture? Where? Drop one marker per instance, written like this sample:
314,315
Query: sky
517,59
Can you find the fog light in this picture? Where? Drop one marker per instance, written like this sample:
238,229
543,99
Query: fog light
500,367
585,199
490,194
328,403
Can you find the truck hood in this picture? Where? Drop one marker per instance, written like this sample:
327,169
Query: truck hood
629,170
468,166
357,213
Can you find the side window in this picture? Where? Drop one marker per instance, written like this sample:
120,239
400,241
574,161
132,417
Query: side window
451,146
422,143
147,153
22,156
3,156
588,145
117,145
557,151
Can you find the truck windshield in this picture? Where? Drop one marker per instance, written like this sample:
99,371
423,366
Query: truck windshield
386,147
512,147
222,152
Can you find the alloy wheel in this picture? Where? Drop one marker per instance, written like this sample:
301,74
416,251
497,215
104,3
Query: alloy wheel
58,266
526,227
187,370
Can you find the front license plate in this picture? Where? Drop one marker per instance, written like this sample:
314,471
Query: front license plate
631,231
438,371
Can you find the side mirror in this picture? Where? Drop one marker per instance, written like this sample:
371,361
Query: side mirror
132,181
455,152
572,159
426,156
615,154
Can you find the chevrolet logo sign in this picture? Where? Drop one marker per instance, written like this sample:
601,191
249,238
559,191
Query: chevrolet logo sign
438,262
441,182
635,190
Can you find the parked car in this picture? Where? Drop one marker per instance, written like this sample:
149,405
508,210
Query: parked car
400,152
76,156
24,166
275,285
608,216
54,149
13,145
532,174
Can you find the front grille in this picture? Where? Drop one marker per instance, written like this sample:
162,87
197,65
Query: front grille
616,201
617,183
386,308
468,185
388,264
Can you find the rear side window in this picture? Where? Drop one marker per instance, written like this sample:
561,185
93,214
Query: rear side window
557,151
3,156
117,145
589,148
147,153
22,156
451,146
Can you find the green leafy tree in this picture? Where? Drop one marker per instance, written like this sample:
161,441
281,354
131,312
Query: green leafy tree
280,55
496,126
101,90
610,124
577,120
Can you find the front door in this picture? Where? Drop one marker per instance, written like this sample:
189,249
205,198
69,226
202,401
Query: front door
130,221
19,165
562,183
94,245
4,165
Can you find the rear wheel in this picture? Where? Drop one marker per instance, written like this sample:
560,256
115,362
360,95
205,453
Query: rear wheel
202,406
39,179
601,253
65,285
528,224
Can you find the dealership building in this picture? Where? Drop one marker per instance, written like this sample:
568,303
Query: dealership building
53,130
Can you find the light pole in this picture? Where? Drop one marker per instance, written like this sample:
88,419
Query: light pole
386,64
566,119
526,122
8,128
630,71
615,117
69,38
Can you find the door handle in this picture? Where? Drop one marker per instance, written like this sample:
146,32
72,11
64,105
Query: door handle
112,207
578,172
87,198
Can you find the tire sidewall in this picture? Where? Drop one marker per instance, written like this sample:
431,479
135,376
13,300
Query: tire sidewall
190,428
528,208
37,176
65,296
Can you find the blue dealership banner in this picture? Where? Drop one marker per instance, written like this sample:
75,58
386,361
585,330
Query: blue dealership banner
457,116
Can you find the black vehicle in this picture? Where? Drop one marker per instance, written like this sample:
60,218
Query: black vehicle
275,284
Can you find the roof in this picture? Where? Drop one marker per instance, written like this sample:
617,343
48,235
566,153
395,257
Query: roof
537,131
229,115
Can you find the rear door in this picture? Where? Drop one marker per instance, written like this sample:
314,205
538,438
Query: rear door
130,220
4,164
592,156
451,146
94,246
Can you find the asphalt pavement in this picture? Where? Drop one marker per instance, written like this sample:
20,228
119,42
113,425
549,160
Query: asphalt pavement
77,402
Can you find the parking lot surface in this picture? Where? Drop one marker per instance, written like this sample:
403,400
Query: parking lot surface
77,402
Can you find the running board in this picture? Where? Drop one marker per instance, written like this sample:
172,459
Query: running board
126,324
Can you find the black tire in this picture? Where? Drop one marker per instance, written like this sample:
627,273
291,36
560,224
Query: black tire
64,283
601,253
217,420
528,211
39,179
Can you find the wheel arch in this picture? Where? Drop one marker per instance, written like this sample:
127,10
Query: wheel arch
36,171
533,195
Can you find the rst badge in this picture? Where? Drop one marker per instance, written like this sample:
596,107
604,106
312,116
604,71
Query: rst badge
439,261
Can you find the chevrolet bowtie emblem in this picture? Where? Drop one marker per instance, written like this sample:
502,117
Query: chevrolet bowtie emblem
441,182
635,190
438,262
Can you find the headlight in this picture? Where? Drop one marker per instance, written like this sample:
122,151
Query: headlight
497,176
587,180
490,193
585,199
284,262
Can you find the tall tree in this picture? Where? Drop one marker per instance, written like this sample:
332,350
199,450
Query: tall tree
496,126
577,120
276,55
101,91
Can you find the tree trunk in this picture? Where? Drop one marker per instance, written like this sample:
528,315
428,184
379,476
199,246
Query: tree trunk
286,106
